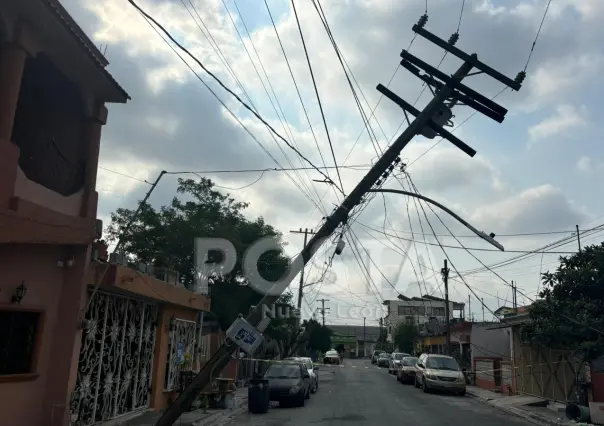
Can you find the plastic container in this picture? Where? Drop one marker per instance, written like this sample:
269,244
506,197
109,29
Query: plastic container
258,397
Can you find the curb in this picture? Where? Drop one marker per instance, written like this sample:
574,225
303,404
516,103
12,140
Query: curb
526,415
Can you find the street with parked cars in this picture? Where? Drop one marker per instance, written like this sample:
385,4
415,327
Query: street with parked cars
426,390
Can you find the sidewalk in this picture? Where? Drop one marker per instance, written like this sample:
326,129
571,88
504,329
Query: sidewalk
530,408
213,417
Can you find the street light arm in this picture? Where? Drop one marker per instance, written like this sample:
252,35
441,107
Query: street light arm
480,234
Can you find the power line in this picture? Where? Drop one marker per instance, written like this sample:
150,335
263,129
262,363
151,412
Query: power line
244,104
265,89
462,247
247,130
314,83
537,36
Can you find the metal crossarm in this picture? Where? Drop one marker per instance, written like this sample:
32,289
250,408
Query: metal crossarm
466,58
454,84
428,79
415,112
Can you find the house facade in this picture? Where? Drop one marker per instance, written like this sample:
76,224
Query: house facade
53,92
143,333
427,312
358,341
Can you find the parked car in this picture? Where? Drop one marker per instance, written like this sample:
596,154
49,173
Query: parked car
375,355
288,383
313,370
395,361
383,360
439,372
406,372
331,357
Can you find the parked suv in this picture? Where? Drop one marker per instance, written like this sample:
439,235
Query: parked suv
375,355
439,372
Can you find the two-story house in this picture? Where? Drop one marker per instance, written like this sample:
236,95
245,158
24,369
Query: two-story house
80,339
427,312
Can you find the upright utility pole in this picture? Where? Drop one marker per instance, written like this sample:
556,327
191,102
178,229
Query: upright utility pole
470,308
300,290
323,309
364,338
482,303
445,274
448,90
578,237
514,298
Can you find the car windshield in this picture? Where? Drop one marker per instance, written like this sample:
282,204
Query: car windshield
283,371
332,353
384,355
398,356
442,363
409,361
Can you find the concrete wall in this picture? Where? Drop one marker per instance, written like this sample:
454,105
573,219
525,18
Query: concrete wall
490,343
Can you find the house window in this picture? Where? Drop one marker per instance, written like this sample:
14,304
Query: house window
411,310
438,312
18,330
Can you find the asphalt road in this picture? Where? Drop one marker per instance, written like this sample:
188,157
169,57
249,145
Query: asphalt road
359,393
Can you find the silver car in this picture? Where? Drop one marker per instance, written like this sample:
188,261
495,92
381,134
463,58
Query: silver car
439,372
313,371
395,361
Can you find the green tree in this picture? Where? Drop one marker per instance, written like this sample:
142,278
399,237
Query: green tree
569,314
404,336
319,336
164,238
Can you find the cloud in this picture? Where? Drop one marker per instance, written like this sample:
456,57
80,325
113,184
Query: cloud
587,165
566,118
536,209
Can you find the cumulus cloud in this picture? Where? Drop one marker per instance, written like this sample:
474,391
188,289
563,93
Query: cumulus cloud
566,118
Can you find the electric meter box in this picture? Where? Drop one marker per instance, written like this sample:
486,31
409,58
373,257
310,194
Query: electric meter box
245,335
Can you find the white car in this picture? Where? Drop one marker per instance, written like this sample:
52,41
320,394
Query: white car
313,371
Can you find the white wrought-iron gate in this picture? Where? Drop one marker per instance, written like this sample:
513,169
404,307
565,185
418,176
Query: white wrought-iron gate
116,358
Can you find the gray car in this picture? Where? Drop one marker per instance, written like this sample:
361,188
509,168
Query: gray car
288,383
439,372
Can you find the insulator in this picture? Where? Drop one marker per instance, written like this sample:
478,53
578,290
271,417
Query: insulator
397,160
453,39
520,77
378,182
422,21
390,168
385,175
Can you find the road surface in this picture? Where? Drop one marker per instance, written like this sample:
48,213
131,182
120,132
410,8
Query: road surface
359,393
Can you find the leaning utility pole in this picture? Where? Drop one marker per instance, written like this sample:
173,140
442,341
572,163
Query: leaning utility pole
300,290
445,273
323,309
448,90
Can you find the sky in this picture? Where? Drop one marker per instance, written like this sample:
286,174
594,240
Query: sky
533,180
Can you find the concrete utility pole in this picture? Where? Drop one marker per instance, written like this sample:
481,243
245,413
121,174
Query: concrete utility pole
514,298
300,290
578,237
447,91
323,310
470,308
445,273
482,302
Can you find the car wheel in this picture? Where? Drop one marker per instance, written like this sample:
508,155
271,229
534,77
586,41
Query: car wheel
314,388
462,393
425,386
416,383
301,400
307,395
